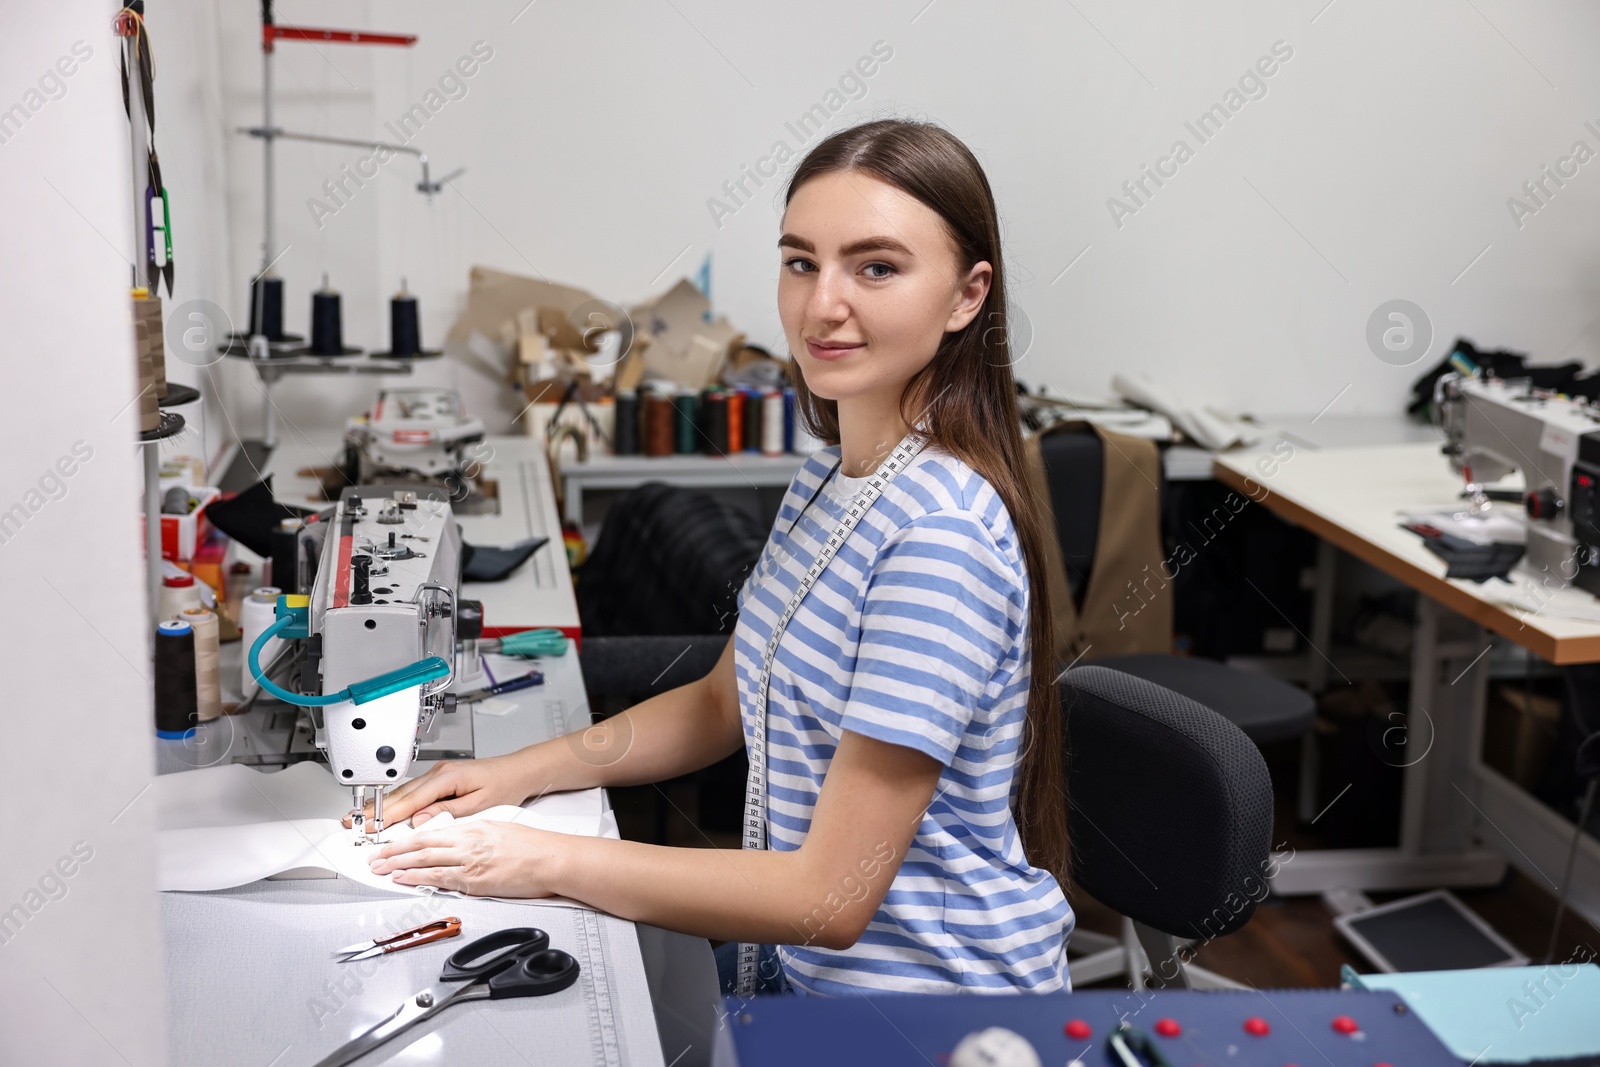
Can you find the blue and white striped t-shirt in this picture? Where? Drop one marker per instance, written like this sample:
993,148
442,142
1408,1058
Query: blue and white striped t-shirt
915,634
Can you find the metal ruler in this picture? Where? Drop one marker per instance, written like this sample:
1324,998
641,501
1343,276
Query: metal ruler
755,793
602,1017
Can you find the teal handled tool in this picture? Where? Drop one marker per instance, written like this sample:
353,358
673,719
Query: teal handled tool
546,642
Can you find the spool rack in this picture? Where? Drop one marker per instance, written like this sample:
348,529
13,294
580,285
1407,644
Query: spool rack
257,349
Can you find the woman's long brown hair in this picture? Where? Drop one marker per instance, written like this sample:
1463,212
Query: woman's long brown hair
972,415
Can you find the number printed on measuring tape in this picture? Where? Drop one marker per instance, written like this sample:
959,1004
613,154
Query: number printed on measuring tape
755,794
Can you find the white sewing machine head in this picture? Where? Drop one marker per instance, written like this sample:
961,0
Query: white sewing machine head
420,431
1496,426
386,598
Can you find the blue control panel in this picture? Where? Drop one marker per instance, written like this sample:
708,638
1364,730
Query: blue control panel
1157,1028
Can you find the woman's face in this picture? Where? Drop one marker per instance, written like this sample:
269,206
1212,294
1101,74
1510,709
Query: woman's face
870,282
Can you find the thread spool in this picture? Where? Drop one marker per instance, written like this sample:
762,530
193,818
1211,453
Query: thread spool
327,323
751,399
179,592
266,309
258,612
735,403
702,415
714,422
147,309
207,666
405,327
660,424
176,694
625,431
149,403
685,421
772,423
285,571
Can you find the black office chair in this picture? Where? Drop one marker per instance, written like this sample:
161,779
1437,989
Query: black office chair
640,667
1265,708
619,672
1170,815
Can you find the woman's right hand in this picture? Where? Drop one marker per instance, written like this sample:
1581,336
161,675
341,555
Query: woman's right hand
459,787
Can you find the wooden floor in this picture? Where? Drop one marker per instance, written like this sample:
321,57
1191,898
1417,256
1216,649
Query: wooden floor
1291,941
1288,942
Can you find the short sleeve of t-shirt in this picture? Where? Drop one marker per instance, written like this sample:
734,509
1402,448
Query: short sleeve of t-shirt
943,620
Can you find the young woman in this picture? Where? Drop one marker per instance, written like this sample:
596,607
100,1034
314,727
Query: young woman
914,805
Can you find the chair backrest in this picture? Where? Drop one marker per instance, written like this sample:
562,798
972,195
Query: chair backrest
642,667
669,560
1075,469
1110,588
1170,805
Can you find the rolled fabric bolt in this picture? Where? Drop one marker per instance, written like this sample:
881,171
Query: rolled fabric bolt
207,668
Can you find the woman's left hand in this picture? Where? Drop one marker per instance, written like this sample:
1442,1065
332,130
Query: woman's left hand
483,858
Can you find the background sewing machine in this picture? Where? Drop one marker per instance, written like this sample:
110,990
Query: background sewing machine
420,438
1497,426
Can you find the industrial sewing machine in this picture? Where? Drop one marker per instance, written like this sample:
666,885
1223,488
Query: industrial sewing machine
1496,426
380,629
418,438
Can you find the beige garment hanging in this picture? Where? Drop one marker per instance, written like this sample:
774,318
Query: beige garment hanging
1127,601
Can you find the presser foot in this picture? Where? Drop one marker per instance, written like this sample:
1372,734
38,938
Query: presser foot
367,832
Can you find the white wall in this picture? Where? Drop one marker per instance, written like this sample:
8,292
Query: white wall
1376,167
80,951
191,139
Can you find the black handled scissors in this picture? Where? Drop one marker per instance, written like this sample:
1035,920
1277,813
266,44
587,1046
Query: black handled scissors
518,962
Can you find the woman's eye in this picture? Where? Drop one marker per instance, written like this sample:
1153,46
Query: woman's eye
796,263
887,270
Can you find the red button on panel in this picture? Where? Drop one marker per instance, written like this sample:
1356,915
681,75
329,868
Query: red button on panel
1078,1030
1168,1027
1257,1025
1345,1025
